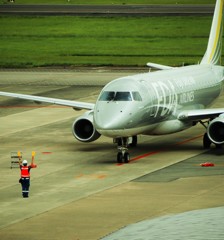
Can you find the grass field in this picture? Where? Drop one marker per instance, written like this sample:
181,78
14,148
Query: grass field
112,1
72,41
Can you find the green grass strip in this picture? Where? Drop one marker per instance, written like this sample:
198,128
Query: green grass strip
75,41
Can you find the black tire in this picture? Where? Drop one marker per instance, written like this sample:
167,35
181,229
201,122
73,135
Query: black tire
206,141
126,157
119,157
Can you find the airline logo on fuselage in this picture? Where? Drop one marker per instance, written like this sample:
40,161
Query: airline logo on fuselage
170,94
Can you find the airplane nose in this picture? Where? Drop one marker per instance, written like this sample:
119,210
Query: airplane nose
111,117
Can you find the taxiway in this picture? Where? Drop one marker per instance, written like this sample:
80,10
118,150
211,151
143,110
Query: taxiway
108,10
78,191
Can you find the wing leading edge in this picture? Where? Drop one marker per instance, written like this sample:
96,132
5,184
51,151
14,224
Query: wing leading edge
74,104
200,114
158,66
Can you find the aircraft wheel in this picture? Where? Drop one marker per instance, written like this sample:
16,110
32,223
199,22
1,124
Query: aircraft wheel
119,157
206,141
126,157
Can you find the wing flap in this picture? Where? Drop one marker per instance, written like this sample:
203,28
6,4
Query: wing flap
74,104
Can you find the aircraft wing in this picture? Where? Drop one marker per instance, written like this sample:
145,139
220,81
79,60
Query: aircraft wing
68,103
200,114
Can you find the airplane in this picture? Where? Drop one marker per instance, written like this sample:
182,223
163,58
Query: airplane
155,103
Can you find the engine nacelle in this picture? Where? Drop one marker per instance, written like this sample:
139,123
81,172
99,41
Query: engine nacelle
215,130
83,128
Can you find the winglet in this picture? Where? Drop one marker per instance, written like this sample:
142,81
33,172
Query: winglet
214,48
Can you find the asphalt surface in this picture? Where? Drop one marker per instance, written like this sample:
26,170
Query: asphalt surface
197,225
107,10
77,190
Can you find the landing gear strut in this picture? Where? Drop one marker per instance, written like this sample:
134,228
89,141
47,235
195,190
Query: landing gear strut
123,155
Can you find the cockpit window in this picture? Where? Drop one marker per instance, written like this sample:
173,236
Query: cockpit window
136,96
107,96
115,96
123,96
120,96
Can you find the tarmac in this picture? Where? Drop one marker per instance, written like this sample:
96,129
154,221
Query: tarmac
198,224
78,191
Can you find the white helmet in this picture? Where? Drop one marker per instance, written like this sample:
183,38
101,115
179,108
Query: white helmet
25,162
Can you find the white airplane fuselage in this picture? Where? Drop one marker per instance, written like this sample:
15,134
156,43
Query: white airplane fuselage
163,95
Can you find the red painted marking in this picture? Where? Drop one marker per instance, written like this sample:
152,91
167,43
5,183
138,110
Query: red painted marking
156,152
119,164
91,176
189,140
46,152
80,175
101,176
144,155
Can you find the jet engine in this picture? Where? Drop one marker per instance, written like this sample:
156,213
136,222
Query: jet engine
83,128
215,130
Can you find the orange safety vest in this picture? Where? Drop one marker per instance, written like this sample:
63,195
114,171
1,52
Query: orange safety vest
25,172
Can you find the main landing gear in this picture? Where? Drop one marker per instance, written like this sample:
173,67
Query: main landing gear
123,155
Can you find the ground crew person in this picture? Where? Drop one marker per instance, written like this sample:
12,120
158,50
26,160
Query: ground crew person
25,177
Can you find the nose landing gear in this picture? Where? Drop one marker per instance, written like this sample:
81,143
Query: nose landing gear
123,155
122,147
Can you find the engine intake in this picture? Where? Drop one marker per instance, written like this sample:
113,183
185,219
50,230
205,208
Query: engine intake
83,128
215,130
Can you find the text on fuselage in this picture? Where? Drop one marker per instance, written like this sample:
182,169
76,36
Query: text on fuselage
167,98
